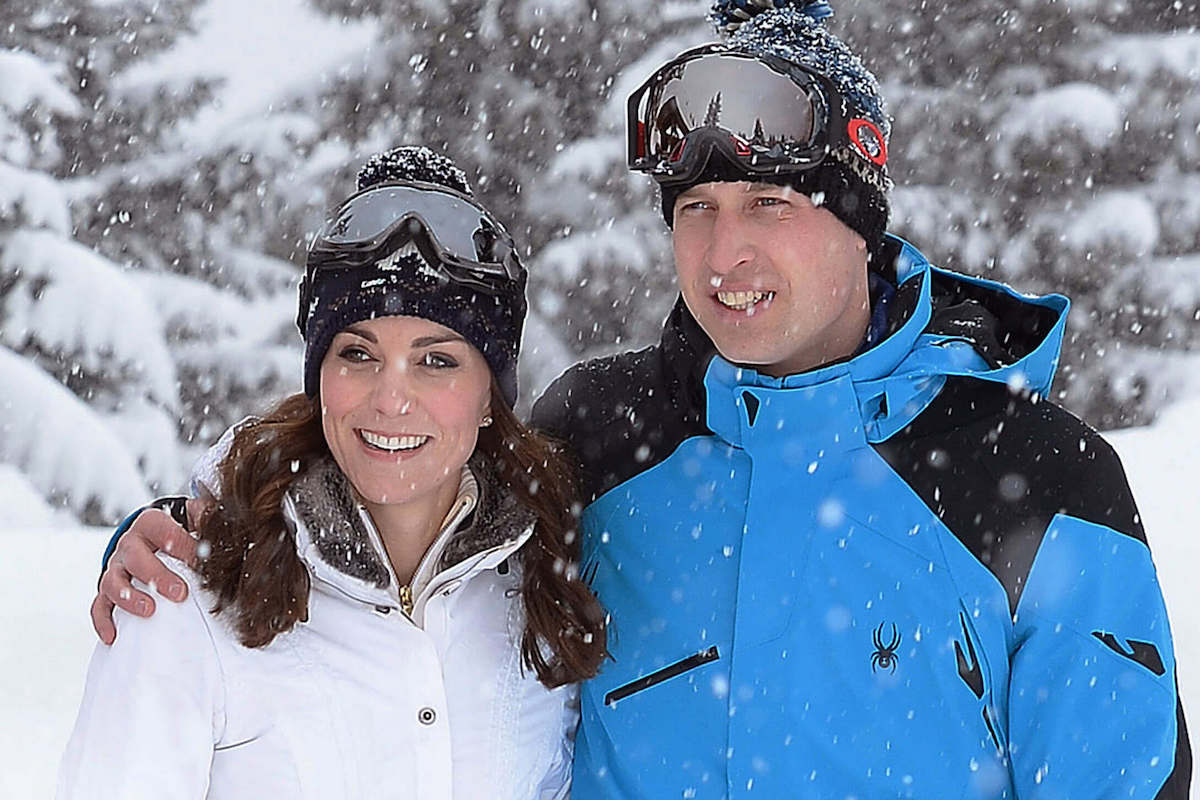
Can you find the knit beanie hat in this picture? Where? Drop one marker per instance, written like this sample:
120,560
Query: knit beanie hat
401,283
851,182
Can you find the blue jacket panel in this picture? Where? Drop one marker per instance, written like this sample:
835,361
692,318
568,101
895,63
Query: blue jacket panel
812,592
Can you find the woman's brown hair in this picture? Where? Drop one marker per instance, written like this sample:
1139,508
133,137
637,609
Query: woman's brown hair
252,566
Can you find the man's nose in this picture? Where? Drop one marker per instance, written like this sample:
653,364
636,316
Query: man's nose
730,245
393,394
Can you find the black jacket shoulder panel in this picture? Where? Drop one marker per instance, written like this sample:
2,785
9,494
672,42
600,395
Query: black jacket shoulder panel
619,414
996,467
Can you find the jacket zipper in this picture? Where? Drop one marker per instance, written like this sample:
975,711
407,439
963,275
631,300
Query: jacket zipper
658,676
406,599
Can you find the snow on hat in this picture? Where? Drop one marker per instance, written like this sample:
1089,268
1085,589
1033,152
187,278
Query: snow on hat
492,323
852,185
412,163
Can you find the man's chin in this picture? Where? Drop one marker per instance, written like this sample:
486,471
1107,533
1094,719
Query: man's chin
749,352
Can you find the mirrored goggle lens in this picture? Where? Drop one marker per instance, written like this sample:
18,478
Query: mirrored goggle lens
741,95
462,229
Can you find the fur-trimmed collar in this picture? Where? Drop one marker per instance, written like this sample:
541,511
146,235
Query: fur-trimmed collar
337,522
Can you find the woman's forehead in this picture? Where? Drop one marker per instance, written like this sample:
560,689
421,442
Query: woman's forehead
402,327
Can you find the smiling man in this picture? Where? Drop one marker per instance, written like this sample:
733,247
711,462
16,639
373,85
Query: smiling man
780,282
848,547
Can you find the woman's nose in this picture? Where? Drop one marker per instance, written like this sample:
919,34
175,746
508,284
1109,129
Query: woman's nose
393,394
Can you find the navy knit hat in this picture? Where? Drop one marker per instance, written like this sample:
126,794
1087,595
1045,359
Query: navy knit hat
849,182
403,285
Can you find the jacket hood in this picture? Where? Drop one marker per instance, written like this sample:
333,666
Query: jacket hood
940,324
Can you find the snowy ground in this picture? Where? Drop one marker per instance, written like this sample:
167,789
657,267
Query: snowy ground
48,573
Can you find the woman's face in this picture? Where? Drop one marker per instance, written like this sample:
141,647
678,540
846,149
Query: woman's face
402,399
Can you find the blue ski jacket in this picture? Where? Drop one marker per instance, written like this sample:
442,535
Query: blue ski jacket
908,574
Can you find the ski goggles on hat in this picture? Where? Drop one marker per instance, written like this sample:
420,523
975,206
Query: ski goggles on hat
458,239
768,115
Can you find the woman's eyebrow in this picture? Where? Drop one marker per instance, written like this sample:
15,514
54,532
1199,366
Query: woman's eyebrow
361,331
426,341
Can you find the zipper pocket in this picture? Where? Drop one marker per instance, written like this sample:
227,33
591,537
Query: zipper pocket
664,674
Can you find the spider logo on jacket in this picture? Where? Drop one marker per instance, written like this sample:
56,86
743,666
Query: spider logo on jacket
885,656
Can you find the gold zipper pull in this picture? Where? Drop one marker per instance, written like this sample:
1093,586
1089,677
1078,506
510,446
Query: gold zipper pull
406,599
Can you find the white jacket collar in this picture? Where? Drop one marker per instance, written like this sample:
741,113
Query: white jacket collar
339,543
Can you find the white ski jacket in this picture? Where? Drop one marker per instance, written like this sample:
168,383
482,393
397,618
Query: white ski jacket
361,701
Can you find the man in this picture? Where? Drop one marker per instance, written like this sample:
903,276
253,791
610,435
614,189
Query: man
847,546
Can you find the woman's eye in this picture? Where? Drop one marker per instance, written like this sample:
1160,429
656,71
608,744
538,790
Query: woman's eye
354,353
438,361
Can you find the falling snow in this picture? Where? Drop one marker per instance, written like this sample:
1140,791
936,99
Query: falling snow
156,191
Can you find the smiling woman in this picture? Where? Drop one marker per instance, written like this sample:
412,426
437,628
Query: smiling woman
402,401
389,568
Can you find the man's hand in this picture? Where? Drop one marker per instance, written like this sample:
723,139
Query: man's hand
134,557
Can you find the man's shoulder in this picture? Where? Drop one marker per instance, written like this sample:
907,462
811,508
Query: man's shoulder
620,414
998,466
1033,448
1029,447
594,393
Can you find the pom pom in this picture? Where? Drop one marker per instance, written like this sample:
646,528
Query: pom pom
728,15
412,163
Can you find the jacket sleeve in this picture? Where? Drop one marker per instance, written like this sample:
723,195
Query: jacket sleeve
556,785
1093,703
151,712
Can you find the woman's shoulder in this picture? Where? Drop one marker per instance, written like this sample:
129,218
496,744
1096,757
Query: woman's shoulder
190,618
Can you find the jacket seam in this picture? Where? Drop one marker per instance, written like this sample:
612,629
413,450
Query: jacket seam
1091,642
207,619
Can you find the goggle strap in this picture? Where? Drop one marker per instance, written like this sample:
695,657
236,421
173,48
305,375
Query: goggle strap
861,168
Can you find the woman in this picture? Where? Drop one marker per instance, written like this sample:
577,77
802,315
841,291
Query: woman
387,605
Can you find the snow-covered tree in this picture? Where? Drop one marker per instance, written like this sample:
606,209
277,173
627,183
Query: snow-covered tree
150,241
75,316
1054,146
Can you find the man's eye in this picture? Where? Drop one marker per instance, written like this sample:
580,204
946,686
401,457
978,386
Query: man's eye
438,361
771,201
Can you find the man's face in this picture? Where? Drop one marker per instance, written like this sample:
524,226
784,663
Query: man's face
777,282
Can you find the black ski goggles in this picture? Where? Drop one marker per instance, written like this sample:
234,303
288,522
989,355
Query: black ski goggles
767,115
460,240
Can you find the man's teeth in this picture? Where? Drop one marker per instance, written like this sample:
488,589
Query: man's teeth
393,443
742,300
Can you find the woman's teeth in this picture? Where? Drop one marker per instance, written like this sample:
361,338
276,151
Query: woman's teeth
392,443
742,301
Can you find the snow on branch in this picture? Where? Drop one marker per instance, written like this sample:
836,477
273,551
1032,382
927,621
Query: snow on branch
619,243
71,301
196,310
1068,120
62,446
26,80
1119,221
1140,56
32,199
